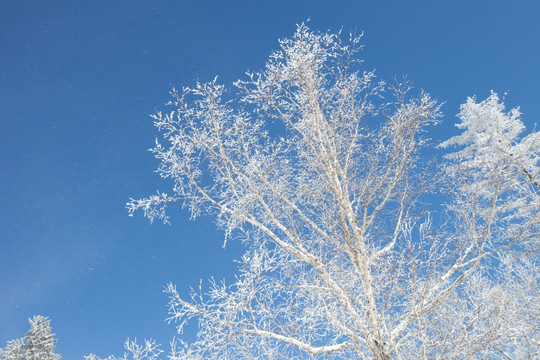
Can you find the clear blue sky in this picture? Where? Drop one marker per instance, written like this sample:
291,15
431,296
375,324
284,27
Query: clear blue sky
77,82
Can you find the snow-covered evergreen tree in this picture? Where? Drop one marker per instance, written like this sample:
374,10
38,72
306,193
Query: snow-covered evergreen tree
38,344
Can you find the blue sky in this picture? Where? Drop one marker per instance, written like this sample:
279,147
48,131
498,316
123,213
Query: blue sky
77,82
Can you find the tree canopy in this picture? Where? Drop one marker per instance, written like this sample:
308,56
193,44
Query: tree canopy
328,175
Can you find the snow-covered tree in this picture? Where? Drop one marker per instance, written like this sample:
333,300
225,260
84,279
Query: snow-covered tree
38,344
149,351
322,172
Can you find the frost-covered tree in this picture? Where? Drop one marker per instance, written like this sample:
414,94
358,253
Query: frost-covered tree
149,351
38,344
322,172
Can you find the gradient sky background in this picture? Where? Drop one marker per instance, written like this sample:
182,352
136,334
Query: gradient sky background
77,82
